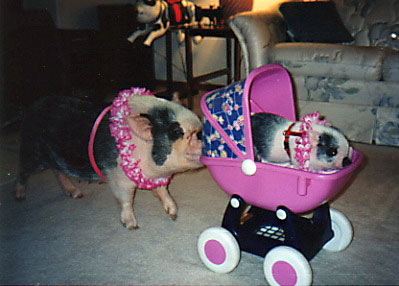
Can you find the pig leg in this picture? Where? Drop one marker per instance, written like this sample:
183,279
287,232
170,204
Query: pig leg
68,186
27,166
126,198
23,174
20,191
124,191
168,202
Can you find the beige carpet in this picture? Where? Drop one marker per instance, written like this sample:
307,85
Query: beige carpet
53,239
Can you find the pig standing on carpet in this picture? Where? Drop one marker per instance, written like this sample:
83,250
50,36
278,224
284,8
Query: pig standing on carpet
310,144
140,143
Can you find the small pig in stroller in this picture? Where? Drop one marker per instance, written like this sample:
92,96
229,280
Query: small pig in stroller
264,214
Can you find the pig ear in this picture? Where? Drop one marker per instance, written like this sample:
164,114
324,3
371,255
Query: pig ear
314,137
140,126
176,98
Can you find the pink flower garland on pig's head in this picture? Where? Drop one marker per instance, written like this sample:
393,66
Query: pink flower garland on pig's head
303,144
120,130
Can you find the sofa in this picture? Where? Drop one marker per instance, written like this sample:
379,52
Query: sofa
346,67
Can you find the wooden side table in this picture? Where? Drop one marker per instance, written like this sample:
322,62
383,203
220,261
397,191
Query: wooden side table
232,71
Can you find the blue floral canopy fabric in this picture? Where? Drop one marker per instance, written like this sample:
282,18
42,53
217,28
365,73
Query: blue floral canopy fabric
225,106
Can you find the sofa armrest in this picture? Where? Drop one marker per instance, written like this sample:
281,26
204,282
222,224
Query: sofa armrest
256,31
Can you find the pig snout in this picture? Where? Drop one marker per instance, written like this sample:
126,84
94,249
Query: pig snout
194,150
348,159
346,162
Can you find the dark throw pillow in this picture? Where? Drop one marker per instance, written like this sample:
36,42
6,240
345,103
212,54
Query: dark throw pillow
314,22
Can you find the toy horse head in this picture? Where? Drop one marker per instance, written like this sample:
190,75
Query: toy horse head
148,11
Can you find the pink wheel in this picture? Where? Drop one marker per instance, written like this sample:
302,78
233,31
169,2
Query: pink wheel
218,250
285,265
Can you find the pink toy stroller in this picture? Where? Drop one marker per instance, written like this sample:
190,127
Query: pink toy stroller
262,216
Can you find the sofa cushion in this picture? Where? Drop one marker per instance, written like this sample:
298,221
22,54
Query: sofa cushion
355,121
329,60
390,67
314,22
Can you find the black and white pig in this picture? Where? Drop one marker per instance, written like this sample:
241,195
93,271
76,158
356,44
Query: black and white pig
140,143
310,144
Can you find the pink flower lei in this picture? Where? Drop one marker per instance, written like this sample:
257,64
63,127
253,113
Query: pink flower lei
121,132
303,144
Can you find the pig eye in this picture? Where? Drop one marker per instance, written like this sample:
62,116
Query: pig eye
331,152
175,131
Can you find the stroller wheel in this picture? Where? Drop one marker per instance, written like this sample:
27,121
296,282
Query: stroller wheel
343,232
285,265
218,249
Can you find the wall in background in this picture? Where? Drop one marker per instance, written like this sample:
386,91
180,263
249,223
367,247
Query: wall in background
208,56
73,14
49,5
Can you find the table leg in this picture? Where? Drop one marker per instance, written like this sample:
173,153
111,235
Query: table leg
169,66
189,68
237,60
228,60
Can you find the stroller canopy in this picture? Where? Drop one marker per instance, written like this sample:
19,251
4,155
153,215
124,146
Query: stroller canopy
227,111
225,106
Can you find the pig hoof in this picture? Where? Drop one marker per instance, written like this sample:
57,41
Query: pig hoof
74,193
77,194
129,221
170,209
173,216
130,225
20,193
20,197
68,186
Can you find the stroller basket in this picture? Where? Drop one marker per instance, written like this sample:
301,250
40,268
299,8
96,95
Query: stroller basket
228,147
